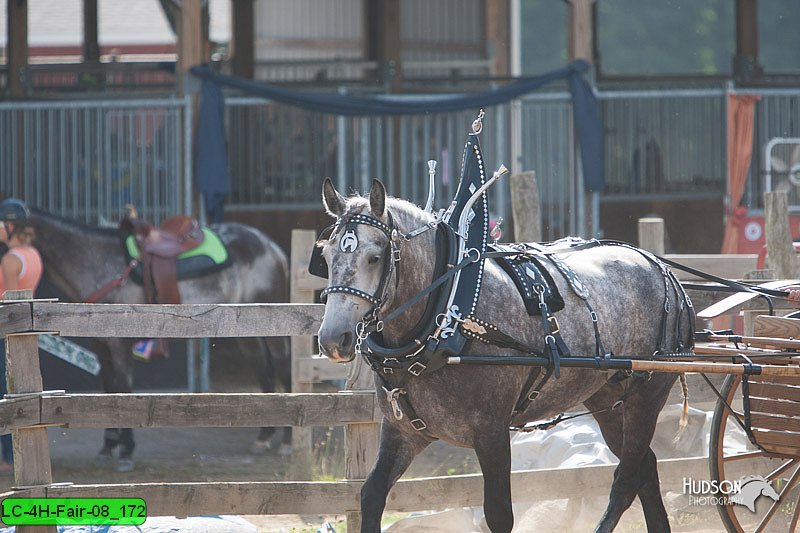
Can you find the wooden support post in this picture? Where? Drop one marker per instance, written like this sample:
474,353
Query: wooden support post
242,38
302,347
382,40
91,47
781,256
360,440
580,29
190,42
17,39
31,446
745,61
525,207
651,235
497,36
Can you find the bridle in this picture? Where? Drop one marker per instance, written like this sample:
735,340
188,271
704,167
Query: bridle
348,243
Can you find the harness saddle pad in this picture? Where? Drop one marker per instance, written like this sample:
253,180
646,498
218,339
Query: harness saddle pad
211,256
528,274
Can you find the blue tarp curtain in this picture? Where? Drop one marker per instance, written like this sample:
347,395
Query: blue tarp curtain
211,156
586,113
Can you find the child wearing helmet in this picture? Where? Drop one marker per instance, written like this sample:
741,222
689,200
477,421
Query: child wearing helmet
20,268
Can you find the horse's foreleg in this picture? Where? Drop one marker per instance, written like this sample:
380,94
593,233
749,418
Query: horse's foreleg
396,452
274,372
117,375
493,449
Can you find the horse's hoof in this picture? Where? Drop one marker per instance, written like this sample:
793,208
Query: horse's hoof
125,465
285,450
260,447
103,459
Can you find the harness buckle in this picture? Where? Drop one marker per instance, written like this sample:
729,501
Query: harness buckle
417,368
418,424
395,254
553,323
533,395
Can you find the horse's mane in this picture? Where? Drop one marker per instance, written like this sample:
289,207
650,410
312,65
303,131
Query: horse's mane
406,214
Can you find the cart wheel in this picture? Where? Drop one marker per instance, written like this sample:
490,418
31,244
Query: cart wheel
732,457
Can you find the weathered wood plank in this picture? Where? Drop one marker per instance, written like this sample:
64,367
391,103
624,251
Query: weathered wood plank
777,423
774,392
316,369
197,499
198,410
18,413
178,321
15,318
776,326
758,405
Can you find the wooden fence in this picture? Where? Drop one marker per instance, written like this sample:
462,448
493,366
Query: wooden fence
29,411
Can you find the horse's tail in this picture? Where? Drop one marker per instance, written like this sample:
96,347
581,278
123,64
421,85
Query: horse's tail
684,421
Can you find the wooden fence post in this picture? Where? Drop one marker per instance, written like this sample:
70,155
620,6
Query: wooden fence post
525,207
360,440
302,347
781,256
651,235
31,447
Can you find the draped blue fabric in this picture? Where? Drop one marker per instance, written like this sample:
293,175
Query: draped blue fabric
211,157
586,113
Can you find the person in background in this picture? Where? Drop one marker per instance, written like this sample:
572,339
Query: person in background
794,293
20,268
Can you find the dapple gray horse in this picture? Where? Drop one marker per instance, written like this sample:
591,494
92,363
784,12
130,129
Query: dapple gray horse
471,405
80,259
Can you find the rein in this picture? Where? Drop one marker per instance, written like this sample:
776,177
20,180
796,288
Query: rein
113,284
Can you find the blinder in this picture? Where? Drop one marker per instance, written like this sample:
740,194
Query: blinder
317,266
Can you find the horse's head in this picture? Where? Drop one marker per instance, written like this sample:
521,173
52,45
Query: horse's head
360,251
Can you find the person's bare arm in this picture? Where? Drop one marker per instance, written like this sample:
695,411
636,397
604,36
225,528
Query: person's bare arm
12,266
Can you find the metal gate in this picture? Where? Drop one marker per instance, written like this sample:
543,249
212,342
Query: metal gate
88,160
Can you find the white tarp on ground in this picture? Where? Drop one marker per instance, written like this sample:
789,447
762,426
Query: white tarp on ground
574,443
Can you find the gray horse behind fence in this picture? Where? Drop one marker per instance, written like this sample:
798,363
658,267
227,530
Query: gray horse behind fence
80,259
471,405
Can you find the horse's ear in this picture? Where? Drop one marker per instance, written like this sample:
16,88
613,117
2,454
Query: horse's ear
333,201
377,198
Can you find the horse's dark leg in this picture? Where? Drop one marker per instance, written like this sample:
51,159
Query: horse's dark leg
493,449
396,452
117,376
272,361
628,432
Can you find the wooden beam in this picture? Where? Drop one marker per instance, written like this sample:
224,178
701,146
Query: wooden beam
497,35
651,235
382,40
91,47
320,497
243,38
745,62
525,207
189,410
17,43
177,321
781,256
191,46
32,465
580,28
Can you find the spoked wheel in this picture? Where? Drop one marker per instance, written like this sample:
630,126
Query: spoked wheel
733,457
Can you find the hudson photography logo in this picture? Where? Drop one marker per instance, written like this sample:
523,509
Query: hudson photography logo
744,491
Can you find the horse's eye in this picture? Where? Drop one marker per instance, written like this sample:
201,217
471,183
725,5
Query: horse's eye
374,259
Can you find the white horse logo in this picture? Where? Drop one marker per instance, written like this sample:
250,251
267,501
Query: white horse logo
752,488
349,242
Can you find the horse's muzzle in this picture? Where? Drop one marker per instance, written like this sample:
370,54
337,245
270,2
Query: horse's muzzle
339,349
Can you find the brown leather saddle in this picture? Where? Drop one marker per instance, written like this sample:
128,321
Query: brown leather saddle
159,248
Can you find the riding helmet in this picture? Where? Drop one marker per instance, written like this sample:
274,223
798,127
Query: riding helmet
12,209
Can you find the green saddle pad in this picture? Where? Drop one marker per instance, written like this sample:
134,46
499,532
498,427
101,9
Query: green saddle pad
211,256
